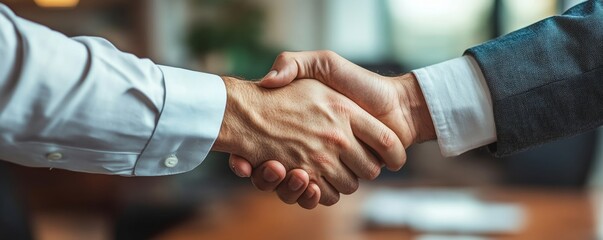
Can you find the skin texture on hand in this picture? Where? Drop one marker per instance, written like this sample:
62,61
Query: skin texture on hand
396,101
307,126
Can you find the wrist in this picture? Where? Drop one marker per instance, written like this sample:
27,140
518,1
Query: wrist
232,129
411,98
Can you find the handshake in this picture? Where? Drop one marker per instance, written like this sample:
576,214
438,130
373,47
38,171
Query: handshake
317,123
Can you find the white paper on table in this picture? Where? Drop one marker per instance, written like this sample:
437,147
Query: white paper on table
432,210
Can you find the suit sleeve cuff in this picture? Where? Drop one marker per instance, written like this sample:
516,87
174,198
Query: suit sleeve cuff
188,124
459,103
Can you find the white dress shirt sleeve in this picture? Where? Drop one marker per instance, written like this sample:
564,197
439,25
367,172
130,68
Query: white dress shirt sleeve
80,104
460,104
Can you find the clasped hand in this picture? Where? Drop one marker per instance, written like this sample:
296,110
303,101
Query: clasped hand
313,139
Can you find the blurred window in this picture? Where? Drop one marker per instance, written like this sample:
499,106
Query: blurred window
516,14
356,29
429,31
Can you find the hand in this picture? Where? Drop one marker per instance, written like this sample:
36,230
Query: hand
396,101
307,126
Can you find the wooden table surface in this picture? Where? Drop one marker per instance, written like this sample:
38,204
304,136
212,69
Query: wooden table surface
551,214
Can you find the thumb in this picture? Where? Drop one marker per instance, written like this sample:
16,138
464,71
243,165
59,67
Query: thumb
240,166
284,70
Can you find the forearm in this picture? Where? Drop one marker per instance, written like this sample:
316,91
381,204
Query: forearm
80,104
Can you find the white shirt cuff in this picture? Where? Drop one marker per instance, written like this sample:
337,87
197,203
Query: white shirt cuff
460,104
188,125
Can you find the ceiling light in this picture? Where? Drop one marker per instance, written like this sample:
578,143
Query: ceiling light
57,3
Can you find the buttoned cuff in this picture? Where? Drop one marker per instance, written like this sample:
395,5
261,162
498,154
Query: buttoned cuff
188,124
459,103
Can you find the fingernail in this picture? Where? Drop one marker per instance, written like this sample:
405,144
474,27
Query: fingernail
269,175
295,184
271,74
237,171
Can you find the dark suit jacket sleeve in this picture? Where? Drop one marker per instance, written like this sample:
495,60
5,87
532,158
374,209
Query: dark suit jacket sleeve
546,80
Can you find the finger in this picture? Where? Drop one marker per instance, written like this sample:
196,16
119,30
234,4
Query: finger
379,137
240,166
361,161
329,195
284,71
289,66
268,176
294,186
342,179
310,198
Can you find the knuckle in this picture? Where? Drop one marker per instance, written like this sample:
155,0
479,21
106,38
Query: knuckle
336,138
283,56
338,105
329,53
320,159
311,172
330,57
387,140
374,172
324,62
323,163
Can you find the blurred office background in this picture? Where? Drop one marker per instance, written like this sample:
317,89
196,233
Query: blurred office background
242,38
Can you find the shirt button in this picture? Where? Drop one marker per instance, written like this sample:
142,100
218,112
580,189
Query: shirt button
171,161
54,156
